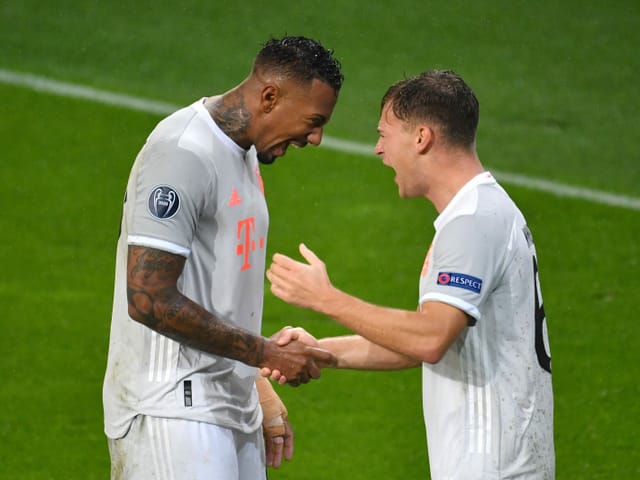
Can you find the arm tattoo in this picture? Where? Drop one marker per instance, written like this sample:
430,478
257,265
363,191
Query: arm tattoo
155,301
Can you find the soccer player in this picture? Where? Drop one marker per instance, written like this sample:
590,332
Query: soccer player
480,330
180,396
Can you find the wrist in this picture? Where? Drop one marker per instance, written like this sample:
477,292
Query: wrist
329,303
266,352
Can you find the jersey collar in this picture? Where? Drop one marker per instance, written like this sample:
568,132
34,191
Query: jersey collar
462,203
224,138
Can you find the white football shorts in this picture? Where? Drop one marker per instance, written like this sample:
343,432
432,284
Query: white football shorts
174,449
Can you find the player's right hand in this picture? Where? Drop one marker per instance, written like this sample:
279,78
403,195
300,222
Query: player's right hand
286,336
294,361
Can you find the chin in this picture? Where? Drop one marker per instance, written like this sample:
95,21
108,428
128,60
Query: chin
266,158
403,193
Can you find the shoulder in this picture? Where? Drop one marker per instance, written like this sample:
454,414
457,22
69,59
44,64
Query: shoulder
484,218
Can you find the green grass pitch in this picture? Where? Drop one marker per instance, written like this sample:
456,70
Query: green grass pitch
558,92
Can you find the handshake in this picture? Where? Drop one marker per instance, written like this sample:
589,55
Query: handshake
293,356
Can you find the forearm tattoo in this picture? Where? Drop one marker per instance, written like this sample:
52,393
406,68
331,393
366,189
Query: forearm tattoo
155,301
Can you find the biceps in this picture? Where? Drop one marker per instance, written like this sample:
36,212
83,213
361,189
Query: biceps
153,269
152,277
446,321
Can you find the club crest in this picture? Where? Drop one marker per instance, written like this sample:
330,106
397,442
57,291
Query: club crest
164,202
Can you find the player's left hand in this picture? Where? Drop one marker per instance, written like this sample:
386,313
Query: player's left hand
298,283
278,441
278,435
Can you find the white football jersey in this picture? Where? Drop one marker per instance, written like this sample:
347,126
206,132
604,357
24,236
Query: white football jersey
488,404
192,192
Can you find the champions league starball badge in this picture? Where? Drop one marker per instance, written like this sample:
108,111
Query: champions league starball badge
164,202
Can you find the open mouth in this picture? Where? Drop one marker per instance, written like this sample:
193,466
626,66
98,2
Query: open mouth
281,149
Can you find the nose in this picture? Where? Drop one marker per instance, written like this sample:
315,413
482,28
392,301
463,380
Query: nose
378,150
315,136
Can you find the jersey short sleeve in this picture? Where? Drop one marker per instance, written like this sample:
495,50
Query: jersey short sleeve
167,195
461,265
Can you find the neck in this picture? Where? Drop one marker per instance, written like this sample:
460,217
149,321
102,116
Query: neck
230,113
454,174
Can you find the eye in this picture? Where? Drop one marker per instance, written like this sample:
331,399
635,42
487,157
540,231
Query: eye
316,122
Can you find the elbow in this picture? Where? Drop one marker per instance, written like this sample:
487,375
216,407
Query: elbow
134,314
432,347
431,352
139,307
432,357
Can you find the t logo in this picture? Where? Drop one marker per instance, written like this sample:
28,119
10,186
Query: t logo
246,229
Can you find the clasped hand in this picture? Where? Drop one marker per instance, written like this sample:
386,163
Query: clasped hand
291,336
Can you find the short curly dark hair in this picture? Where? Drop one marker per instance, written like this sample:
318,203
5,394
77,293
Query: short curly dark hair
300,58
440,96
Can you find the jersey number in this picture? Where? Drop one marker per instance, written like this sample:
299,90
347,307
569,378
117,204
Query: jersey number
544,359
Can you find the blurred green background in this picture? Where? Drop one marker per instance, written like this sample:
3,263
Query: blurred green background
556,83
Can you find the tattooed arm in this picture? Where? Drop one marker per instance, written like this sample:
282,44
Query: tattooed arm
155,301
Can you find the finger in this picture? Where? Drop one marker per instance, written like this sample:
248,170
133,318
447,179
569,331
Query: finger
322,356
265,372
314,371
280,332
268,451
283,292
287,336
309,256
276,274
277,281
278,292
282,261
277,277
279,273
288,441
304,337
294,382
277,448
268,448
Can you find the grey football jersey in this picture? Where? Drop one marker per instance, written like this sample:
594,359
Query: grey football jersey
491,394
193,192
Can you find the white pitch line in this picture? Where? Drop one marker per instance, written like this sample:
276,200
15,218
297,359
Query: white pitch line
48,85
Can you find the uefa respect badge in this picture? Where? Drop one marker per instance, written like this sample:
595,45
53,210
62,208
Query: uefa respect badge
460,280
164,202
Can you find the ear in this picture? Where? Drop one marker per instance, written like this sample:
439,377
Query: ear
269,97
424,138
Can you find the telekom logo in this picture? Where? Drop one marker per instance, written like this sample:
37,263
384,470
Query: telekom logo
246,232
